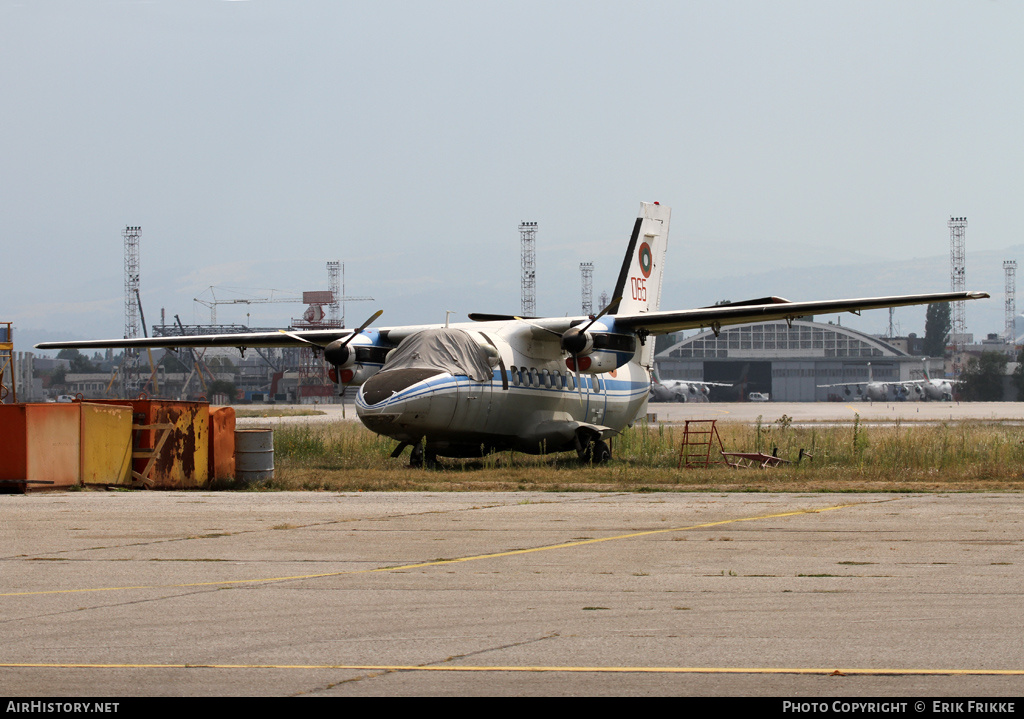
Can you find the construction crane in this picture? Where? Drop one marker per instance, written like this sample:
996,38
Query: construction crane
212,304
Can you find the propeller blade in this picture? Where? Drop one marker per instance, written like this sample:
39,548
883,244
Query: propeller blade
603,312
359,330
362,327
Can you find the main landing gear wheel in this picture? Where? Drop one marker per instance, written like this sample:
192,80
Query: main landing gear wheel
596,452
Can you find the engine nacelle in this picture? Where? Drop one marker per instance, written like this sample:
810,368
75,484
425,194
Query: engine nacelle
597,352
577,342
340,355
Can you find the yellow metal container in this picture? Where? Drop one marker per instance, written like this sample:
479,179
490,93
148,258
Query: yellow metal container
106,444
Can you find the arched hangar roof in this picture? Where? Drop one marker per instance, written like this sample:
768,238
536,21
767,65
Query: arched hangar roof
768,340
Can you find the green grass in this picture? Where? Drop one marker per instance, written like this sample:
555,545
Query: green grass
345,456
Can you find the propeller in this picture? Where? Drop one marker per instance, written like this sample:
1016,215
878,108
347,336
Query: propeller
337,352
576,342
339,349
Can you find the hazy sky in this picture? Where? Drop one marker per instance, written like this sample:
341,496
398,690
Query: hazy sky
255,140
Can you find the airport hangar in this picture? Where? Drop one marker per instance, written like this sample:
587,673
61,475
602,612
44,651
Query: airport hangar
786,361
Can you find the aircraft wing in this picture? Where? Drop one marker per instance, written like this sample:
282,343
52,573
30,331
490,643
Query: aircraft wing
697,382
281,338
774,308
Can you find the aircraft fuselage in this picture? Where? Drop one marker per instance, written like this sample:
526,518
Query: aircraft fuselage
531,402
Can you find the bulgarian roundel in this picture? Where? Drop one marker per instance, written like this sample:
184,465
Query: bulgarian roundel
646,260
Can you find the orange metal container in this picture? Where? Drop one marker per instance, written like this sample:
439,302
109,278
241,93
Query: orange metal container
41,446
222,442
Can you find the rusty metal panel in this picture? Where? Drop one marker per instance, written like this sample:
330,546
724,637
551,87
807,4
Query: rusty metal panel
53,444
106,444
173,448
222,442
170,442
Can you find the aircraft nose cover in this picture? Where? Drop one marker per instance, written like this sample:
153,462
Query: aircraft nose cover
447,350
424,355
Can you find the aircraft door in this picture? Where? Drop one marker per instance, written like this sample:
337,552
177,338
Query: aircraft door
474,405
597,398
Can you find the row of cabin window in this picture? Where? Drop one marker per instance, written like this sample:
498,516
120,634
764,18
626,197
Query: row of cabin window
532,377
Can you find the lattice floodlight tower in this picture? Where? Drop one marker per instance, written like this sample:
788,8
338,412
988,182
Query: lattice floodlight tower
334,272
129,375
131,281
587,292
528,240
1010,269
957,283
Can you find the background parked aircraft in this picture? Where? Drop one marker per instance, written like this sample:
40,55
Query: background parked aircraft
675,390
920,389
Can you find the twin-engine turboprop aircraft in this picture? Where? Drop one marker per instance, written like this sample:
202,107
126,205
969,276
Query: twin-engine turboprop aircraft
536,385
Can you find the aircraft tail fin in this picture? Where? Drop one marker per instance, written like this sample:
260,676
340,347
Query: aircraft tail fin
639,283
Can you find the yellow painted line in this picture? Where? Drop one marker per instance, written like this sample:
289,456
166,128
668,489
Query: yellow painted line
575,670
442,562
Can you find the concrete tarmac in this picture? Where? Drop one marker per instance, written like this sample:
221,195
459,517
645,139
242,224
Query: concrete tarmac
325,594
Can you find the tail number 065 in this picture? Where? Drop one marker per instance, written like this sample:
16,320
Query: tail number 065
639,289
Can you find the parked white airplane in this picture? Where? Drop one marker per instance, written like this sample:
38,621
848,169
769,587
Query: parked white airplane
927,388
536,385
937,389
677,390
870,390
